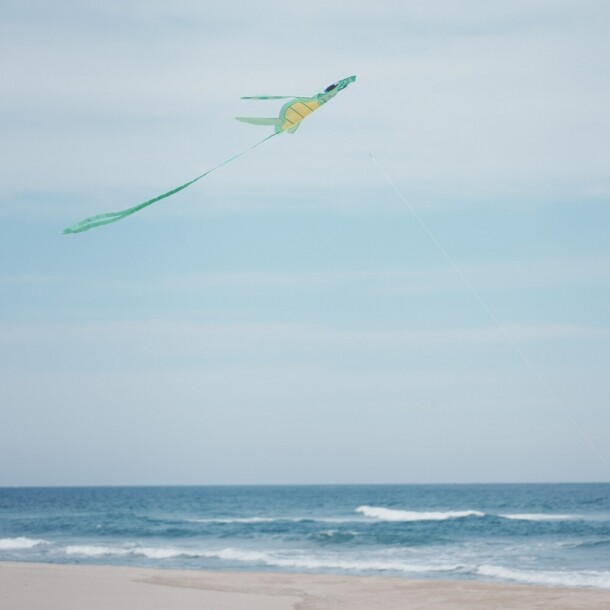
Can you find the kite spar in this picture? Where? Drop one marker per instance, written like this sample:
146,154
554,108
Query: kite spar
289,119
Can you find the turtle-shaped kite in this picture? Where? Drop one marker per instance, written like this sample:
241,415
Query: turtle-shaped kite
289,119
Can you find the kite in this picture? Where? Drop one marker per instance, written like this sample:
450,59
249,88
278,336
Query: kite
289,119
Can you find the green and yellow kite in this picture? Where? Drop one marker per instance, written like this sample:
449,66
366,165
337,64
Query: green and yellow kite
289,119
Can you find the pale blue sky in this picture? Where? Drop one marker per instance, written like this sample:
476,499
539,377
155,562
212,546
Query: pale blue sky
287,320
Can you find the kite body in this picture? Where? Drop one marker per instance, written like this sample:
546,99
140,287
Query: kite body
289,119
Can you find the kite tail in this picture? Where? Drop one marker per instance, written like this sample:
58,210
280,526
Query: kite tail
107,218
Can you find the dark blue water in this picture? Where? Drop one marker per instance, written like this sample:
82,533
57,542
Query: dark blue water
542,534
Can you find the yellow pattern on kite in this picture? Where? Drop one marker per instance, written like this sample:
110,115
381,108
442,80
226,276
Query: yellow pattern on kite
296,112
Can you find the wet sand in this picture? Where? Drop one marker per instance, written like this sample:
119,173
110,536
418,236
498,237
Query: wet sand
30,586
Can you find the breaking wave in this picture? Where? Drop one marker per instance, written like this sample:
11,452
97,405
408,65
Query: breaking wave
149,552
234,520
539,517
14,544
270,558
389,514
245,520
332,562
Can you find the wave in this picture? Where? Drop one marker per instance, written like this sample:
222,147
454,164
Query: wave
236,520
335,535
335,562
95,551
597,579
271,520
389,514
149,552
539,517
14,544
588,544
267,558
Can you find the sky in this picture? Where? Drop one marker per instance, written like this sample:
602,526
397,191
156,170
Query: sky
437,313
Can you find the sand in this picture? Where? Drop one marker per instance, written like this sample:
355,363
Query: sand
29,586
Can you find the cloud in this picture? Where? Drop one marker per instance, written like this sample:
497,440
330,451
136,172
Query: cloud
505,276
165,343
12,280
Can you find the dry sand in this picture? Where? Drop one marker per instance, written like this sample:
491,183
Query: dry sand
29,586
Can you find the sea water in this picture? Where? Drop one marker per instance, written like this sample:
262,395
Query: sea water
552,534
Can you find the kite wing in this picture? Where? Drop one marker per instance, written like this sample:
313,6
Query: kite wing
268,97
259,121
289,119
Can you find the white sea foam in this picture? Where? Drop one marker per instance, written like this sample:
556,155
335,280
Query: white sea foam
270,520
539,517
592,578
332,562
234,520
390,514
282,559
150,552
230,554
15,544
164,553
95,551
339,533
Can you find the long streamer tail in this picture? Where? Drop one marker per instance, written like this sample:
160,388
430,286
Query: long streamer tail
107,218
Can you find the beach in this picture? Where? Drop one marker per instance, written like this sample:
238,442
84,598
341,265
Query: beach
29,586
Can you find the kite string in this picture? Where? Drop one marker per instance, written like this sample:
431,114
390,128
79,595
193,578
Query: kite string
479,298
239,154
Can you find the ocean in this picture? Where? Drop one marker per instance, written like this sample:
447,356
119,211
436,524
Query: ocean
544,534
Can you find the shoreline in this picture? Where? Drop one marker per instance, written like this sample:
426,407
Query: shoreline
40,586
